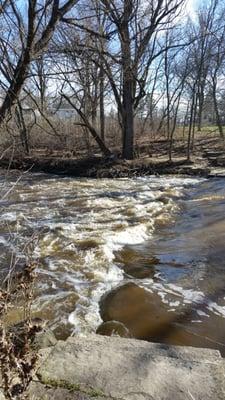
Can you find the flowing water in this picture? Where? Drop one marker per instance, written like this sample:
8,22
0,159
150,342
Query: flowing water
157,242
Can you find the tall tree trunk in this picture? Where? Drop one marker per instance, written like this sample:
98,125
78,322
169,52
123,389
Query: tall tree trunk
22,127
174,126
94,116
42,82
167,92
186,118
190,125
128,85
200,107
101,104
218,119
194,123
128,120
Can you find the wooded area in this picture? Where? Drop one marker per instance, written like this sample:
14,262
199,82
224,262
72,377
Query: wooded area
83,76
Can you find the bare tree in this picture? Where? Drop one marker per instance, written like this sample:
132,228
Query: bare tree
217,65
135,25
34,30
83,88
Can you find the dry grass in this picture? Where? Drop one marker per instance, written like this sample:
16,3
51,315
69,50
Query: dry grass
57,138
17,357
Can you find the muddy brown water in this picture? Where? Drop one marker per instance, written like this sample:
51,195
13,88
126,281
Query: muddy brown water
146,252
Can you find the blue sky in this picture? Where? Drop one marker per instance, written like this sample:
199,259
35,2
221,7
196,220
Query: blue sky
192,5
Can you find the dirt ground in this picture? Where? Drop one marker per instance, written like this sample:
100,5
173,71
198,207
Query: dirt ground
152,158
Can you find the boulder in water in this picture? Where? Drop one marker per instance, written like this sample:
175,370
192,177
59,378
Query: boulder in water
113,328
142,312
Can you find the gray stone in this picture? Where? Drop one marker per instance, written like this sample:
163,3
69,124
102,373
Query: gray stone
130,369
2,397
44,339
38,391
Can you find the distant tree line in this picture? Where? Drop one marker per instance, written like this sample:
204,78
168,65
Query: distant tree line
145,62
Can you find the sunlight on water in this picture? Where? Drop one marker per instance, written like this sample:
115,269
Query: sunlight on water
97,234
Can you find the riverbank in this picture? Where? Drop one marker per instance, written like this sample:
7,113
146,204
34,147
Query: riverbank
207,159
99,167
113,368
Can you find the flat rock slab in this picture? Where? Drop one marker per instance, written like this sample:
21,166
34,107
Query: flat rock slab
129,369
38,391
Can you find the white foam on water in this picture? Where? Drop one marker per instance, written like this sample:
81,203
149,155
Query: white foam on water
3,241
174,303
130,236
216,309
9,216
86,316
189,295
101,222
113,213
202,313
175,296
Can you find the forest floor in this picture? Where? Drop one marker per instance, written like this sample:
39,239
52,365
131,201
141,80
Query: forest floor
207,159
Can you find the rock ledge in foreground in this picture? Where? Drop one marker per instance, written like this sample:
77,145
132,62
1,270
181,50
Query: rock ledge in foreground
129,369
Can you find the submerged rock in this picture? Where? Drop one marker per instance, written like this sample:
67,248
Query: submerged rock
113,328
139,272
142,312
136,264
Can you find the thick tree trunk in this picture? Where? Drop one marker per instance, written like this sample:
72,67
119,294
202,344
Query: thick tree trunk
128,88
128,121
16,86
101,105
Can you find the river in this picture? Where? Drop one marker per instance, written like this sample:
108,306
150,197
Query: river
160,240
